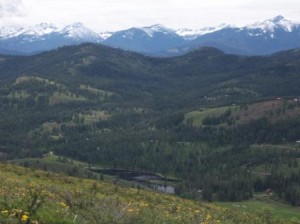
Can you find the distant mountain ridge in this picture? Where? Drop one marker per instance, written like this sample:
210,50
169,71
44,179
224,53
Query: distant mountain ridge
149,40
43,37
261,38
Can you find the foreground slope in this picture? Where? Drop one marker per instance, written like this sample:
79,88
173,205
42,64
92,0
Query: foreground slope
29,196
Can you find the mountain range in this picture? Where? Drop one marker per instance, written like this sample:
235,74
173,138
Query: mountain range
261,38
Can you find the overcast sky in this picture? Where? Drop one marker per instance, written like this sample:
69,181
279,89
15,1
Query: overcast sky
111,15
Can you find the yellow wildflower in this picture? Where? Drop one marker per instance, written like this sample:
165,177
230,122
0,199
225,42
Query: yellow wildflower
130,210
208,217
24,218
5,212
62,204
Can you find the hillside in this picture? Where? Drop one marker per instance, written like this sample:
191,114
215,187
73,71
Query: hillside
43,197
198,118
206,72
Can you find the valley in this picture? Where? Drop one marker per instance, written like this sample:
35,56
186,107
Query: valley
181,118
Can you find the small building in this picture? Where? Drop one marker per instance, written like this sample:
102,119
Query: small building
48,154
269,191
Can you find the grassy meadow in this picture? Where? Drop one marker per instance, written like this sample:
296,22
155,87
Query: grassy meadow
280,210
31,196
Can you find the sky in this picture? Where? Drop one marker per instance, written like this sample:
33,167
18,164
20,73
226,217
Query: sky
112,15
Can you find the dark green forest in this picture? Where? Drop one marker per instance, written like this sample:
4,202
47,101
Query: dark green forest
113,108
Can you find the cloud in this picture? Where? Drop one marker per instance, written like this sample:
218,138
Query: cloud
11,8
103,15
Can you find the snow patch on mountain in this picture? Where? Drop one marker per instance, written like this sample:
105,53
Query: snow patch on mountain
190,34
151,30
106,35
42,29
78,31
270,25
7,31
34,31
75,31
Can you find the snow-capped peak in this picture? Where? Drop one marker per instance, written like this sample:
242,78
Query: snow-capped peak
76,31
157,28
76,25
79,31
191,34
278,22
6,31
37,30
40,29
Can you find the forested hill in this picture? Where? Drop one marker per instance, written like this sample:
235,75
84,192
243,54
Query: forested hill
203,117
164,82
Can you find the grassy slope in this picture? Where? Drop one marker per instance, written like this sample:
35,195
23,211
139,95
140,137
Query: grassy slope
51,163
280,210
273,109
197,116
51,198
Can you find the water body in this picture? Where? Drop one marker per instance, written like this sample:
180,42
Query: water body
142,177
163,188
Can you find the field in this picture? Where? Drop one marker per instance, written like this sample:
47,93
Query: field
279,210
286,167
30,196
58,98
21,95
94,116
273,109
99,92
23,79
196,117
54,164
